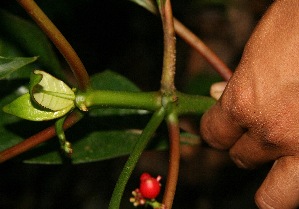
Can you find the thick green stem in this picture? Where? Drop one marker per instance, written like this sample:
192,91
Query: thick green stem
120,99
151,101
193,104
59,40
141,144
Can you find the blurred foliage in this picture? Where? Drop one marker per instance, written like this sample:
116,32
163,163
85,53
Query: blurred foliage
28,39
9,67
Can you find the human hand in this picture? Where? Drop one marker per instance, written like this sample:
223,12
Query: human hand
257,117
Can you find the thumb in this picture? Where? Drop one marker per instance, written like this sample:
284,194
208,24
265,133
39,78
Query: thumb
280,190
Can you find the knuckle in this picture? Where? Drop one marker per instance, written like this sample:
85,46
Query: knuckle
238,106
275,138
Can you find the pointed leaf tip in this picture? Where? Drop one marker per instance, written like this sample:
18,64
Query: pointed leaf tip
10,65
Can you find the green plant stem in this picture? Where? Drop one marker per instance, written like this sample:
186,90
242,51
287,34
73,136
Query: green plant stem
151,101
193,104
141,144
59,41
186,104
64,144
174,159
120,99
169,57
38,138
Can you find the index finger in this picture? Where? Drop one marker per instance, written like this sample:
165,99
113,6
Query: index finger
219,129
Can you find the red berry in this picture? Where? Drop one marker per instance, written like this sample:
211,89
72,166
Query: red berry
145,176
149,186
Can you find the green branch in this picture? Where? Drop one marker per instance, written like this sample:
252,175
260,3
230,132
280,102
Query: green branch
141,144
151,101
193,104
119,99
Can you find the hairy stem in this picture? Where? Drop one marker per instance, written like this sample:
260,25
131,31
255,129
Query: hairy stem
59,41
38,138
169,57
141,144
169,100
174,160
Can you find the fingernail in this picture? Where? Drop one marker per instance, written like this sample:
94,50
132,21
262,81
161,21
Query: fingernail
240,163
217,89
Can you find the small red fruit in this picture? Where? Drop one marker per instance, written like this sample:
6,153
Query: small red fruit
149,187
145,176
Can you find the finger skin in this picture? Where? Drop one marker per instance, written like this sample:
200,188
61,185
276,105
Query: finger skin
261,98
250,151
280,190
218,129
257,115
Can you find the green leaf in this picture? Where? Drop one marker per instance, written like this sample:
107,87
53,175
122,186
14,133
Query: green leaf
24,108
96,139
9,135
30,39
9,49
97,146
14,129
109,80
48,98
50,92
93,139
9,65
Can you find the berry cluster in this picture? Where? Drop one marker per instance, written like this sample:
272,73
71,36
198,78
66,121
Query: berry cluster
148,190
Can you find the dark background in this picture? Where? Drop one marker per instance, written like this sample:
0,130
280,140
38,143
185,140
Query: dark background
123,37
